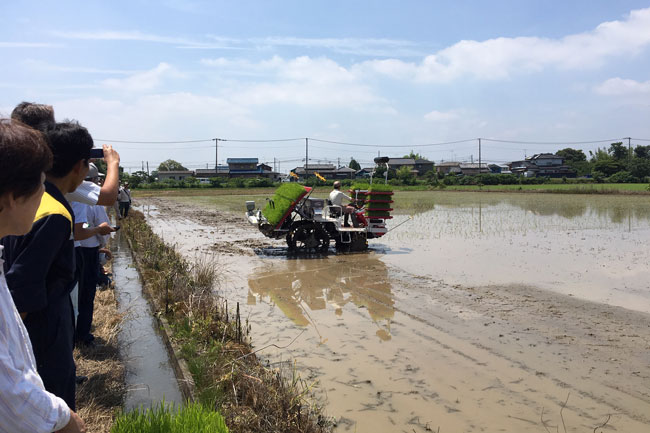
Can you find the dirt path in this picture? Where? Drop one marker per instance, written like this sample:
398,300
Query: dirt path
396,351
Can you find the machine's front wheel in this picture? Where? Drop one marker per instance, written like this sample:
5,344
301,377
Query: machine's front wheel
307,237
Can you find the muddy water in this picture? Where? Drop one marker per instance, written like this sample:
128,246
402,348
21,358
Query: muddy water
476,316
150,378
592,247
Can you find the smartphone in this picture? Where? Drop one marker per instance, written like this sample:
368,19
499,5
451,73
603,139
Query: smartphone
96,153
116,228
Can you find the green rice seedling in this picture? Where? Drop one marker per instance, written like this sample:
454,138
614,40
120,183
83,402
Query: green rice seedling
285,196
359,186
380,187
192,418
377,213
379,205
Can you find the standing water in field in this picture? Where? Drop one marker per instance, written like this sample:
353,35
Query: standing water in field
487,312
149,376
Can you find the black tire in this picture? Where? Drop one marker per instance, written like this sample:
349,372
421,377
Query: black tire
358,242
307,237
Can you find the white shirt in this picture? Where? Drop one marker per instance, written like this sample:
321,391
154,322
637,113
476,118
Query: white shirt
80,211
87,193
124,195
25,405
95,216
336,197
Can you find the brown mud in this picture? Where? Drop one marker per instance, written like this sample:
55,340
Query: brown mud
394,346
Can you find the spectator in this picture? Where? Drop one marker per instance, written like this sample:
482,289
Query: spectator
40,265
40,116
124,197
89,251
25,405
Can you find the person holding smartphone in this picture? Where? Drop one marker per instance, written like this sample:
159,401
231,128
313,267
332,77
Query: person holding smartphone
40,117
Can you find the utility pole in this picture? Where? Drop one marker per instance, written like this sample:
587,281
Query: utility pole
629,149
479,156
306,156
142,165
216,156
147,168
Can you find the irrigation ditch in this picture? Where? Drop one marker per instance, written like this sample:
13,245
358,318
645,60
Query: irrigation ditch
209,344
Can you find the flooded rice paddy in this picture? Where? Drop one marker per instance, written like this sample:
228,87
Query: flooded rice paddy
484,312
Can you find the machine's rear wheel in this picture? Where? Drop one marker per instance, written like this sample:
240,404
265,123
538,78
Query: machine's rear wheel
307,237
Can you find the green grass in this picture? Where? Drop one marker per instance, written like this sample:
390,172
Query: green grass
565,188
192,418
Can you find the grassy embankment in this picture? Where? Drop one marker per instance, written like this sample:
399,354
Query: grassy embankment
228,376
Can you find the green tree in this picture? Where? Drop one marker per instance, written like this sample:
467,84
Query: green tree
571,155
405,175
640,167
171,165
101,165
608,167
136,179
354,164
618,151
576,159
415,156
642,152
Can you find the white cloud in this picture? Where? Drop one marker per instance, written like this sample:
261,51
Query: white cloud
623,87
143,81
304,81
441,116
359,46
45,66
501,57
28,45
154,117
135,35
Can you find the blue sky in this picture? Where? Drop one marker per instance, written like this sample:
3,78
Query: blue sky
379,73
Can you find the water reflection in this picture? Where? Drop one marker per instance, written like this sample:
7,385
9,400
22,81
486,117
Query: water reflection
303,285
614,208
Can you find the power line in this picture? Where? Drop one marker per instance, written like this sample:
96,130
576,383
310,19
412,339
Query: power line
553,142
391,146
261,141
153,142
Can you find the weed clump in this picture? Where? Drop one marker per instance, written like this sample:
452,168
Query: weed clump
228,376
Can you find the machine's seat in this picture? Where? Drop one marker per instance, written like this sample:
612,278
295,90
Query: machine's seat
334,211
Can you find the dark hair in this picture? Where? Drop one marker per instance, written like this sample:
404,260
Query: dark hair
24,157
38,116
69,142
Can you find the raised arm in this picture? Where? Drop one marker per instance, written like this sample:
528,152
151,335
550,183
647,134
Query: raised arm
108,193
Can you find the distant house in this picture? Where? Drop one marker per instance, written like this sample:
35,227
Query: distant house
345,173
473,168
423,166
499,169
248,167
328,171
208,173
174,175
448,167
397,163
543,165
364,172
